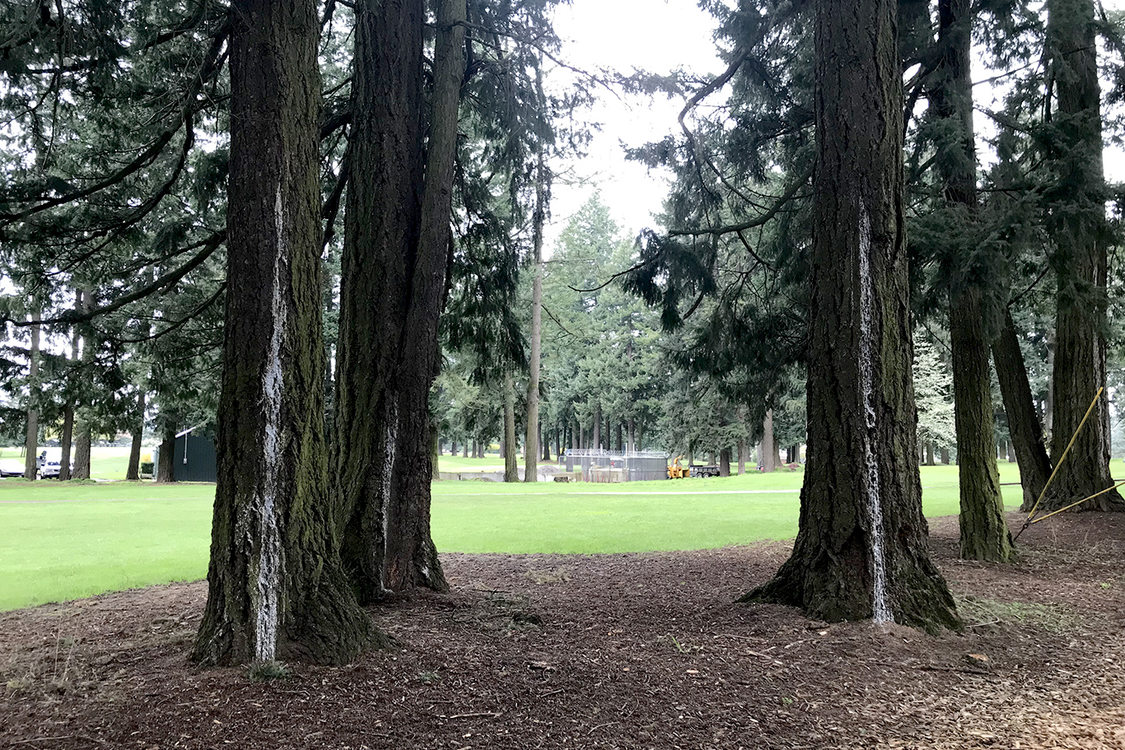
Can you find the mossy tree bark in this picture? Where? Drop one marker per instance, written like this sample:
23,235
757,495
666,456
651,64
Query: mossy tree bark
1079,230
984,533
1019,405
861,550
411,557
382,223
276,587
394,284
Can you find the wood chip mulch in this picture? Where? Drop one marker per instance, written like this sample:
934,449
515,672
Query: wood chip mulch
610,651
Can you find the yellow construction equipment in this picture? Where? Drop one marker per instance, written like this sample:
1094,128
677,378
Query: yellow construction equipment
676,471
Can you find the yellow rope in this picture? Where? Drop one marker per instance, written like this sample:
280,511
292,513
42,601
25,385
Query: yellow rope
1091,497
1063,457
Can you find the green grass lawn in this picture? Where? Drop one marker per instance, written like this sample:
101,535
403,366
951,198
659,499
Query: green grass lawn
66,541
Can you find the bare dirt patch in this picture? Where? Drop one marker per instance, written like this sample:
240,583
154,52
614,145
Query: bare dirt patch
610,651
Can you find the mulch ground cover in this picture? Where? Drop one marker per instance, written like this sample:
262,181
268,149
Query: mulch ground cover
610,651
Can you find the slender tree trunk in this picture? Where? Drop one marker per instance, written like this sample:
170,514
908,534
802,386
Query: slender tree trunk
742,456
596,440
83,411
545,441
511,465
65,441
31,442
275,583
133,470
1080,235
984,533
67,437
411,557
861,551
531,469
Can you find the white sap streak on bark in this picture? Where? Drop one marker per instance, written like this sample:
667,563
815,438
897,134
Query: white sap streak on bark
269,561
881,607
389,452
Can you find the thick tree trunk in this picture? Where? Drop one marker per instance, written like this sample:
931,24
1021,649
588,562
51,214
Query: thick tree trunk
945,455
165,466
411,558
82,447
511,465
742,447
768,456
984,533
724,462
861,551
133,470
382,224
929,454
275,583
31,441
1079,233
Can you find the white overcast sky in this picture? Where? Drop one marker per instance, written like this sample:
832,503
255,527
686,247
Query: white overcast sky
657,36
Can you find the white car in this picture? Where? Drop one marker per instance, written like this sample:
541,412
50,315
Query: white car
50,469
11,467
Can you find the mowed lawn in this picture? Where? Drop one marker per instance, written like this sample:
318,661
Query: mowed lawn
68,541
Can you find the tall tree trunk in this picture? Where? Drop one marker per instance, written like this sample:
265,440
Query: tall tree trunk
742,447
984,533
929,454
31,442
596,440
275,583
531,469
861,551
545,441
511,465
133,470
1079,232
67,437
768,458
381,230
83,412
411,557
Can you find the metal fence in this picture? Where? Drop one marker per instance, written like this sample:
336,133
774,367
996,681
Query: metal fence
599,465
